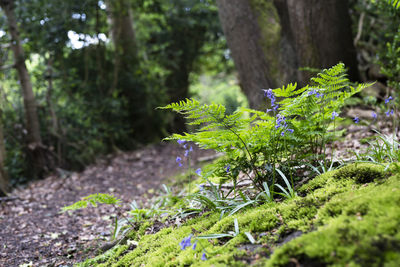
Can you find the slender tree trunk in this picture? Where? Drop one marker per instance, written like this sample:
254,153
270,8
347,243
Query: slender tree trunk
4,183
54,129
123,36
32,122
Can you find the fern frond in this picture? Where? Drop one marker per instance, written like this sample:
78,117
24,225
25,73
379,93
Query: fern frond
94,200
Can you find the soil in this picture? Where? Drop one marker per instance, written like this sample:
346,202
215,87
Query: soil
32,229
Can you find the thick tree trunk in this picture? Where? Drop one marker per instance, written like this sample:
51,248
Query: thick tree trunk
4,183
32,122
271,39
321,34
245,41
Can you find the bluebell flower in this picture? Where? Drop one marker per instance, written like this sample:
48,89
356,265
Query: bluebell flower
198,171
312,92
280,120
356,120
374,115
181,142
290,130
179,161
228,167
203,257
194,245
186,242
318,95
389,112
283,133
270,94
187,151
387,100
334,115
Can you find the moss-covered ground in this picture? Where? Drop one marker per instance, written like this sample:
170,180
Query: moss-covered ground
346,217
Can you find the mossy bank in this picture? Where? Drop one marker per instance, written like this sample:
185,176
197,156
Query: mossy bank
349,216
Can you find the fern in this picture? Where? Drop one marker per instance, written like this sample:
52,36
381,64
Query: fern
394,3
255,142
94,200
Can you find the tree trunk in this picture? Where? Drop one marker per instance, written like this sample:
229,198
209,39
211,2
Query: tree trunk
32,122
271,39
123,36
245,41
4,183
321,34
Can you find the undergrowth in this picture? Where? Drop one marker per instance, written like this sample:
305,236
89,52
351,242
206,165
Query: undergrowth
252,198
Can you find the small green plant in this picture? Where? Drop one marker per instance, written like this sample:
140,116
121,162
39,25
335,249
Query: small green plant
383,149
289,194
291,133
187,241
94,200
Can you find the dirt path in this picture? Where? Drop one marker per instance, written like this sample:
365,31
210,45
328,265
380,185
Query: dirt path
33,230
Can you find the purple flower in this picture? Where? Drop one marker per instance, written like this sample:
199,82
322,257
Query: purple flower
203,257
389,112
312,92
198,171
270,94
281,120
186,242
194,245
318,95
334,115
387,100
290,130
187,151
179,161
356,120
374,115
228,168
181,142
201,187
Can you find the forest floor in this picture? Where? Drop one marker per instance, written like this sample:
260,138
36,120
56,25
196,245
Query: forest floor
32,229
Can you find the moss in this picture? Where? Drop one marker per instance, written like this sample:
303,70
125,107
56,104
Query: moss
340,220
108,256
358,228
361,173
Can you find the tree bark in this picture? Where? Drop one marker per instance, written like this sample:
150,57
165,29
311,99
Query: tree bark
4,182
271,39
123,36
321,34
32,122
244,37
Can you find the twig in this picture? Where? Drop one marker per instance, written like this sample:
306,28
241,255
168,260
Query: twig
6,199
359,30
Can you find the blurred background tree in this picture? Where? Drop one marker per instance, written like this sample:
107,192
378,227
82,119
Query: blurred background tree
99,69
